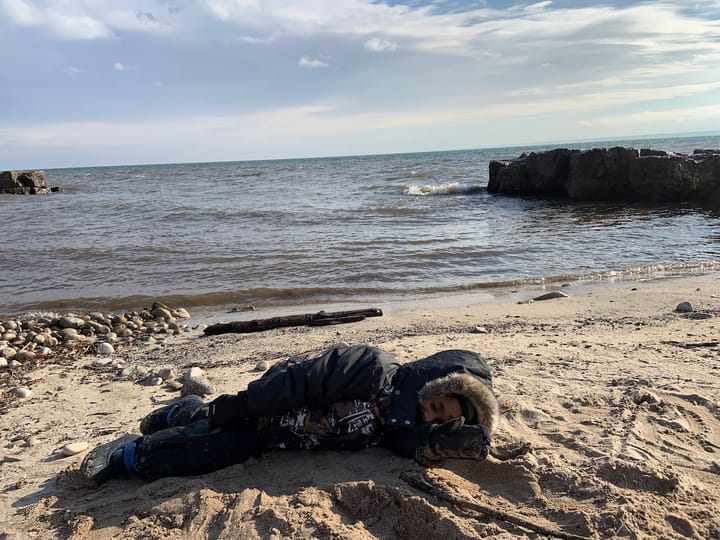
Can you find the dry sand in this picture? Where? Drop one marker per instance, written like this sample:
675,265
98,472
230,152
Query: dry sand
616,393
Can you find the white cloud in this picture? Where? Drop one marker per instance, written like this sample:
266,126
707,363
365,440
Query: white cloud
306,61
64,20
21,12
376,44
73,69
117,66
263,40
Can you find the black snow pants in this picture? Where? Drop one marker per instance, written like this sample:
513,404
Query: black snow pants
194,449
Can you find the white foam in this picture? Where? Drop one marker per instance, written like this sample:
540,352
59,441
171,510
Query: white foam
440,189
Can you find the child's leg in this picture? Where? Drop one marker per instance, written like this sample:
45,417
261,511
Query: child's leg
193,449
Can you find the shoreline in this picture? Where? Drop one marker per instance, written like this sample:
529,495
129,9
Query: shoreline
482,293
615,392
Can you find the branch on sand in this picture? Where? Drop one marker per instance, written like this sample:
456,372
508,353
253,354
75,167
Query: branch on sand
321,318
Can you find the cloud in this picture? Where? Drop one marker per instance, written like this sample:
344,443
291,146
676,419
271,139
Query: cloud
73,69
306,61
117,66
64,21
255,40
21,12
376,44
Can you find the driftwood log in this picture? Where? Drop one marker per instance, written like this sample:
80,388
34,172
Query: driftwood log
321,318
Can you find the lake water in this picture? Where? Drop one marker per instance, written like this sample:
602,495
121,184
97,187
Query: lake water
330,230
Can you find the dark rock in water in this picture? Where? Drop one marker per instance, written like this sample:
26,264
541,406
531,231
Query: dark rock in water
23,183
611,174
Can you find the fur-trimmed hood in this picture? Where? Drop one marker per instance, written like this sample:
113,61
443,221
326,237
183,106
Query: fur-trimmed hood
476,393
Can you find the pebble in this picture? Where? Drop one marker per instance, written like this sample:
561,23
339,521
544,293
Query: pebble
684,307
194,372
51,330
74,448
550,295
24,356
71,322
196,386
3,361
22,392
161,312
155,381
69,334
261,366
167,373
105,348
480,330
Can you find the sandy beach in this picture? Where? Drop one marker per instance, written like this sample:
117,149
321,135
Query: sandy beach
614,391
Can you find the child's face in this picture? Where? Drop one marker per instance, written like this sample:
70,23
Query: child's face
440,410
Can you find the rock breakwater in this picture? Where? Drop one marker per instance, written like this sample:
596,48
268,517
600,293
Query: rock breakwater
24,183
611,174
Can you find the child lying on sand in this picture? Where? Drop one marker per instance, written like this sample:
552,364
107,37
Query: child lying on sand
343,398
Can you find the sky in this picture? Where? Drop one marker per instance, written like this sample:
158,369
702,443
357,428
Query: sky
101,82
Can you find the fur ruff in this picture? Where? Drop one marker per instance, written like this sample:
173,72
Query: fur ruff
472,389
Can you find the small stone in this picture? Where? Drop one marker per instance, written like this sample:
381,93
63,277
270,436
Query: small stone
3,362
8,352
550,296
261,366
196,386
166,373
105,348
14,363
161,312
71,322
69,334
194,372
181,313
684,307
22,392
480,330
24,356
154,381
74,448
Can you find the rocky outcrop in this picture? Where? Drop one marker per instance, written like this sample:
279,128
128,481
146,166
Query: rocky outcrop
23,183
612,174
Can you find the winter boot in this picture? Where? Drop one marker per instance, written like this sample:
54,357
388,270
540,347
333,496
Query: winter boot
180,413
